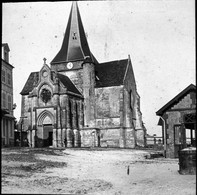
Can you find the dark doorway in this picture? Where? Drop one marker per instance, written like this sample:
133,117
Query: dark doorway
50,139
99,145
47,135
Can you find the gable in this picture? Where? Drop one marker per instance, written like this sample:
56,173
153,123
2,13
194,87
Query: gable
34,78
185,102
185,99
129,78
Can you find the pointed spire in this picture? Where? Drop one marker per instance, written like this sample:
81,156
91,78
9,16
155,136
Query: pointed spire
75,46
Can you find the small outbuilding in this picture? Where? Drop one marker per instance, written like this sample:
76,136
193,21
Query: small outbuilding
178,121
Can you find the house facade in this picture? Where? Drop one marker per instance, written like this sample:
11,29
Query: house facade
178,121
7,115
78,102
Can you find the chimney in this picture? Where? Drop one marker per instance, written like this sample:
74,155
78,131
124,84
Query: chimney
5,52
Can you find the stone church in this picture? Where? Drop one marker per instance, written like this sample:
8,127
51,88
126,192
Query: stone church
79,102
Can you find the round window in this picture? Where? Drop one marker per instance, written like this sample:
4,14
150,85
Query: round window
45,95
44,73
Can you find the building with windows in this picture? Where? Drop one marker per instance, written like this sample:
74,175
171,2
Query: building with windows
178,122
78,102
7,117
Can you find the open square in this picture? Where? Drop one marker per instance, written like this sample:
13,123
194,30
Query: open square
91,171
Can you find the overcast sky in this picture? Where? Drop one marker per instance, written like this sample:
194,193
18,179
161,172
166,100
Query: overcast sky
158,35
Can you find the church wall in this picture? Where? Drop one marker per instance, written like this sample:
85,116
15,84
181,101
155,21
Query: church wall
107,119
88,137
140,131
110,137
129,110
89,94
25,108
128,133
96,137
133,112
40,136
107,107
113,117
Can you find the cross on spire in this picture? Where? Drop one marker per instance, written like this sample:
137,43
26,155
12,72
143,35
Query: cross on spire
44,60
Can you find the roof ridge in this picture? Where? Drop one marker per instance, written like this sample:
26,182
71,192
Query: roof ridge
113,61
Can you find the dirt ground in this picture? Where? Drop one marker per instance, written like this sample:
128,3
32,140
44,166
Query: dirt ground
91,171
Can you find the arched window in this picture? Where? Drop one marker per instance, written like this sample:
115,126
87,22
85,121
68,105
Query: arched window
131,100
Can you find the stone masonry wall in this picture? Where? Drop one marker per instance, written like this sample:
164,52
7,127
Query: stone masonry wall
107,112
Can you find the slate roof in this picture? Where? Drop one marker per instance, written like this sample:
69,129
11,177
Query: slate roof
75,45
34,76
110,73
7,63
68,84
177,98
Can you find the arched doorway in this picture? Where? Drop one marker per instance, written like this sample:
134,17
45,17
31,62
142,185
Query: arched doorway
45,129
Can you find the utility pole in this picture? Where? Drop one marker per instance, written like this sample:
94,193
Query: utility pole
22,120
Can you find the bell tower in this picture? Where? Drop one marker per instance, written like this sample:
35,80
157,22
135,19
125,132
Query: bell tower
74,47
75,60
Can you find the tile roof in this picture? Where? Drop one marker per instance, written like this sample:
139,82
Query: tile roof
110,73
